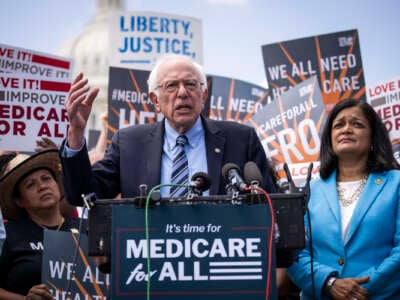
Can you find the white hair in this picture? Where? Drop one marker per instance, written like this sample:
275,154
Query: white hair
152,82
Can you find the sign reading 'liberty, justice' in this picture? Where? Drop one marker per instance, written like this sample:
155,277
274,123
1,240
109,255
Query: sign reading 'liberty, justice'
138,38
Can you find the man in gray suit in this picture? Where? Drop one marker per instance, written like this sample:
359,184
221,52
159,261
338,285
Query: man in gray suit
144,154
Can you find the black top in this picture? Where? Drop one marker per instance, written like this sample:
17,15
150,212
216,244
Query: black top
21,259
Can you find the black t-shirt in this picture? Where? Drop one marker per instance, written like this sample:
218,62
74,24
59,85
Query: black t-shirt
21,259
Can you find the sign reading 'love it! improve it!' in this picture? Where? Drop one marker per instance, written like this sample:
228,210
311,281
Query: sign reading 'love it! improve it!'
385,98
33,91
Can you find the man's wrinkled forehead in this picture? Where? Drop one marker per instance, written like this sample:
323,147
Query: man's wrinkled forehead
174,69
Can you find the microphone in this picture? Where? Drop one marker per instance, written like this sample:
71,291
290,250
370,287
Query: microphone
252,174
231,172
292,188
308,179
199,183
89,200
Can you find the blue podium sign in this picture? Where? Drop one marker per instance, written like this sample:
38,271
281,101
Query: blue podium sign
202,251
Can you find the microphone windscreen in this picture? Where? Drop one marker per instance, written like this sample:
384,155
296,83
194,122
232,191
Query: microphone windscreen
202,180
229,166
252,173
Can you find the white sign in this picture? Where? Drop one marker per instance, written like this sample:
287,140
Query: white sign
31,108
385,98
137,39
33,63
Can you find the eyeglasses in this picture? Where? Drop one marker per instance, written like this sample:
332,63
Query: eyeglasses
173,85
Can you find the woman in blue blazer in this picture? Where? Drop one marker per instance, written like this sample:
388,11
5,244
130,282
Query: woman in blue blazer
353,219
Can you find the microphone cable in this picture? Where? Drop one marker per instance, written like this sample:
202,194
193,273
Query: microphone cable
147,234
271,235
311,254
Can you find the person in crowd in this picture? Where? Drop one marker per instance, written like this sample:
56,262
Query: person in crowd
353,236
44,144
98,151
66,208
144,154
41,145
30,195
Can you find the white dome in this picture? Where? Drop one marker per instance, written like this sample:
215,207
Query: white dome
89,52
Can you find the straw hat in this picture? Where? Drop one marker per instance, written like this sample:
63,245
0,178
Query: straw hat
16,169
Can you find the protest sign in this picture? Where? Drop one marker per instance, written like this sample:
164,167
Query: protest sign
128,99
138,38
334,58
235,100
33,90
290,127
34,63
385,98
67,269
31,108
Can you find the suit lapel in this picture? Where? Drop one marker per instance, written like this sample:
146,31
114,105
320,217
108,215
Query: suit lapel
215,143
153,145
374,186
331,196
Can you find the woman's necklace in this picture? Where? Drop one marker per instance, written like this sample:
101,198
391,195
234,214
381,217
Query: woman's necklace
347,201
58,226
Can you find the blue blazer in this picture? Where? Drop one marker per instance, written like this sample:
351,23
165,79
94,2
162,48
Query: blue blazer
372,246
134,158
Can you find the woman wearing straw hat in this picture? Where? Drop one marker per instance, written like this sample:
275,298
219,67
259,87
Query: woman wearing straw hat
30,195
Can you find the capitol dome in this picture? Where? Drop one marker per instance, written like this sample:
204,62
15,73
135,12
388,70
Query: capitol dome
89,52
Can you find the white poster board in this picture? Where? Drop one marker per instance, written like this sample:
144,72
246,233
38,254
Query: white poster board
31,108
33,63
385,98
138,38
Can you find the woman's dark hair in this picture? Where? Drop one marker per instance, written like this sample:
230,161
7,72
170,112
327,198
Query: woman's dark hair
16,186
380,157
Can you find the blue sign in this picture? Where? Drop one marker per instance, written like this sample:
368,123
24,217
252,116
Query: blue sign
204,251
67,269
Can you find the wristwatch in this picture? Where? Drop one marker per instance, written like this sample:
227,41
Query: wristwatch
329,284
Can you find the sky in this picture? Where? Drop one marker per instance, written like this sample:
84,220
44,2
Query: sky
233,30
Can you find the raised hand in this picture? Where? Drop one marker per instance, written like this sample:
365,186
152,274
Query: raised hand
79,105
45,144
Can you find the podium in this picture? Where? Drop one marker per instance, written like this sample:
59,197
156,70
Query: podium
200,248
